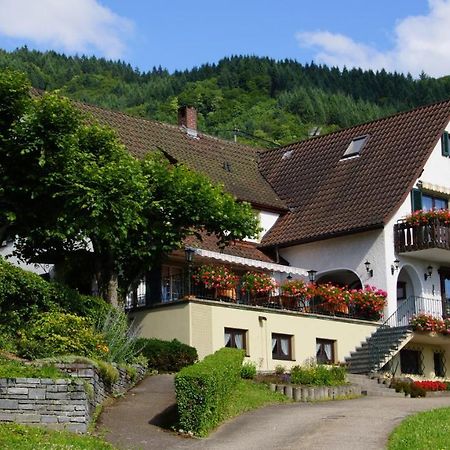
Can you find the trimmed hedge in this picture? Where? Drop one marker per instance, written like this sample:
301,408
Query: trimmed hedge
203,390
318,375
166,356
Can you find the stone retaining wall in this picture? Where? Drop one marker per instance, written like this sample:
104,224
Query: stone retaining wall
61,403
55,403
317,393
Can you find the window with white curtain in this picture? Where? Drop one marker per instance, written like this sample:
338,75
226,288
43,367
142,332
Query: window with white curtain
235,338
325,351
281,346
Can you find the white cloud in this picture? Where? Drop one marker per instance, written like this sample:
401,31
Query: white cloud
71,25
421,43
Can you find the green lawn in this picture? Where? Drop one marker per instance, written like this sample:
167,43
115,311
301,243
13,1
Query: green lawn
249,395
21,437
429,430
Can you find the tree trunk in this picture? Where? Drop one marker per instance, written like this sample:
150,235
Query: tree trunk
112,287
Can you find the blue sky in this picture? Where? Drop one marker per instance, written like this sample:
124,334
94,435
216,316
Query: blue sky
402,35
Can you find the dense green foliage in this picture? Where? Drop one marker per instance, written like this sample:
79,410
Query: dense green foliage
22,437
423,431
56,333
203,390
166,356
248,370
318,375
17,369
276,100
70,190
24,294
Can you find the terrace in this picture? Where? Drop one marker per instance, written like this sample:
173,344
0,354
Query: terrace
274,286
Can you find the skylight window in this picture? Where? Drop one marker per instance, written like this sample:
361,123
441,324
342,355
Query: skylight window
355,147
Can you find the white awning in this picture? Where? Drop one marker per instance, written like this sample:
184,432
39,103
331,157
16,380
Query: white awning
435,188
250,262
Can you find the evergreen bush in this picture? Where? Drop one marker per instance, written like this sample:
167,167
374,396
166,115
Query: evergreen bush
203,389
166,356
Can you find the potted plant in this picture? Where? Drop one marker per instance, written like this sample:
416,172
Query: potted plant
258,284
368,303
219,279
294,293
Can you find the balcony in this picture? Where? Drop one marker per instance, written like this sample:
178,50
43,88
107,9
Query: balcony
260,290
426,240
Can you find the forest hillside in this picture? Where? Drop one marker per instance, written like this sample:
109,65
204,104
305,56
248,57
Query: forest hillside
270,102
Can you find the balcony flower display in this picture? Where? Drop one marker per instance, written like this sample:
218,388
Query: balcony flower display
215,277
296,288
424,217
368,303
257,283
332,298
430,324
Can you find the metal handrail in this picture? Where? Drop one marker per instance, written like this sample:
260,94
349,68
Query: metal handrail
401,317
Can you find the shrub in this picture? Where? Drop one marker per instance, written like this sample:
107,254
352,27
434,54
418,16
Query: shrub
318,375
120,338
431,385
203,389
248,370
166,356
108,372
56,333
280,369
24,294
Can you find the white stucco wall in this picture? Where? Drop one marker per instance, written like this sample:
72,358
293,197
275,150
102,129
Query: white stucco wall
7,253
267,220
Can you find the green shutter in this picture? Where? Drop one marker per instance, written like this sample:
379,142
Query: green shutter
445,144
416,199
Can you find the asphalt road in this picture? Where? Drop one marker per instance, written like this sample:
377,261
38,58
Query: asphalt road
135,421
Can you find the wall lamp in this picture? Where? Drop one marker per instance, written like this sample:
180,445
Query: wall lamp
428,273
312,275
189,253
289,276
368,269
395,266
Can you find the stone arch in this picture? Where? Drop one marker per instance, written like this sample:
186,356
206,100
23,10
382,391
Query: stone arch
340,277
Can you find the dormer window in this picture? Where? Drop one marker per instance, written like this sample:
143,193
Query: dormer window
355,147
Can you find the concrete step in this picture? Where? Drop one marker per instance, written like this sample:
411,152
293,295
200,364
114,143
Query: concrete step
373,387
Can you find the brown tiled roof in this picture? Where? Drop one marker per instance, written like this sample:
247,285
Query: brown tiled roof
328,196
243,249
205,154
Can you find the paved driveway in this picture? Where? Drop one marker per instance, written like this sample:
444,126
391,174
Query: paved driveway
363,424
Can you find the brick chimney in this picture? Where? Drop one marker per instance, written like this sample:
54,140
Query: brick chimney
187,117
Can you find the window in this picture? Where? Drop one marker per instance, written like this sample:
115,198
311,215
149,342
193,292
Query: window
426,201
355,147
439,364
411,361
235,338
401,290
171,283
325,351
430,202
281,346
445,144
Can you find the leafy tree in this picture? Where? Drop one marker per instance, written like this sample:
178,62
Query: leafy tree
69,187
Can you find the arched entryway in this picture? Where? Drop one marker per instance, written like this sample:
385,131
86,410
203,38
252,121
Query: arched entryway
340,277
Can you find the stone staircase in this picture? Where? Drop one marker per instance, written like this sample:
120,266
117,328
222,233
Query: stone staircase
373,387
378,349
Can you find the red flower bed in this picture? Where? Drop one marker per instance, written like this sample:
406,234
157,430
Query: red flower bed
431,385
423,217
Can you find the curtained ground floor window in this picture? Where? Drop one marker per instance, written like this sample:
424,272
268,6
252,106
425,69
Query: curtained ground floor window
236,338
325,351
281,346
